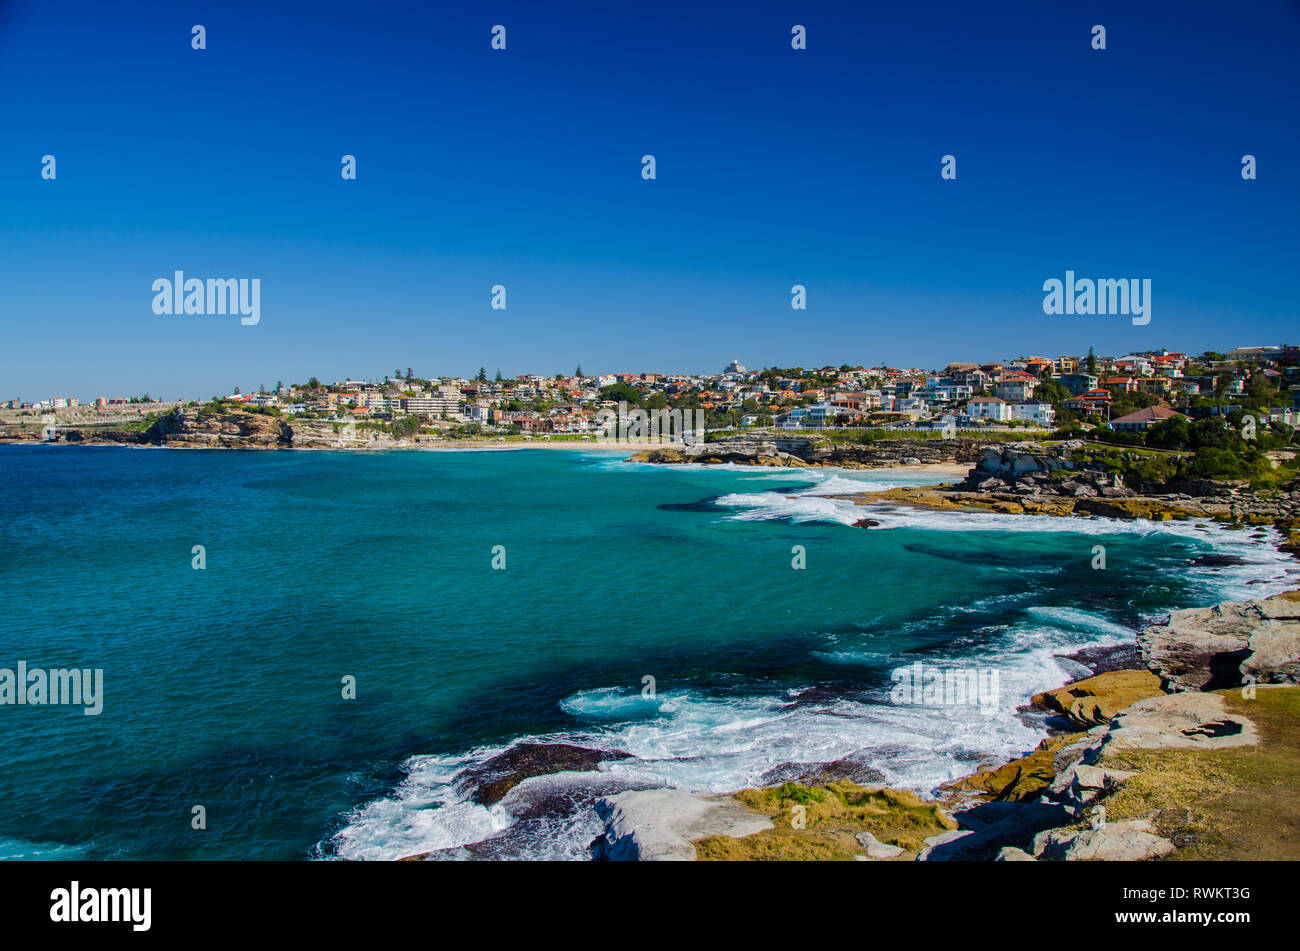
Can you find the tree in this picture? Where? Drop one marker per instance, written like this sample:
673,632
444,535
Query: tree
621,393
1210,433
397,373
1091,362
410,375
313,384
577,374
498,375
482,374
1172,433
236,391
405,427
279,385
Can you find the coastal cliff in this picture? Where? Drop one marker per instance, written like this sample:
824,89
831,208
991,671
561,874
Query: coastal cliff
202,429
1150,764
195,429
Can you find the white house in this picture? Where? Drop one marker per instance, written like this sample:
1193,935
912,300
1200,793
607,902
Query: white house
1033,411
989,407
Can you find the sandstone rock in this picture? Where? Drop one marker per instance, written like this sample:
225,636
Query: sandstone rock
1012,854
194,428
1020,780
1079,785
1177,721
943,838
1093,701
1209,648
657,825
877,849
1131,841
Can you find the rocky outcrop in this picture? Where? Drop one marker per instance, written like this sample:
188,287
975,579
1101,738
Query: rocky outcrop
1092,702
488,782
658,825
1227,645
1132,841
877,849
191,428
762,449
1191,721
1071,479
1080,785
1020,780
1187,721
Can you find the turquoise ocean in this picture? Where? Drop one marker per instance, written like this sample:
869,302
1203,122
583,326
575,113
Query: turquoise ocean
223,686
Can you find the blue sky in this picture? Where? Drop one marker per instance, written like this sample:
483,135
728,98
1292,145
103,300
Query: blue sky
775,167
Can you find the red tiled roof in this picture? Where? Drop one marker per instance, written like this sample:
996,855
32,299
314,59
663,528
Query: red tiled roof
1149,414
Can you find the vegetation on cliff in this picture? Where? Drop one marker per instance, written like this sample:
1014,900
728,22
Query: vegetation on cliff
823,822
1223,804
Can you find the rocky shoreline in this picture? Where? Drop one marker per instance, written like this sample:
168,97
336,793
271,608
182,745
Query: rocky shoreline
801,452
1017,479
1190,754
1217,692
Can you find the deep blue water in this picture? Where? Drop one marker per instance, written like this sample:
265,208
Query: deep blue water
222,686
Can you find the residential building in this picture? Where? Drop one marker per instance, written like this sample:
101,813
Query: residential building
988,407
1144,419
1039,412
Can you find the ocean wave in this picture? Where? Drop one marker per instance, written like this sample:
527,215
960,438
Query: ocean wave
20,850
698,742
769,506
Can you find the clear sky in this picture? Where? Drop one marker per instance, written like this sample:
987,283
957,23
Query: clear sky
523,167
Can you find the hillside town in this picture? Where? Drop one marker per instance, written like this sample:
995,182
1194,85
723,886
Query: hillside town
1128,393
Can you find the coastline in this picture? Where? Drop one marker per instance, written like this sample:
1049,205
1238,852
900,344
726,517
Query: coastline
1111,780
897,800
1002,810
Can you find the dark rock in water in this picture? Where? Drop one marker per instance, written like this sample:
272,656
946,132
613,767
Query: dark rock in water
703,505
489,782
866,523
815,774
1101,660
826,696
1217,561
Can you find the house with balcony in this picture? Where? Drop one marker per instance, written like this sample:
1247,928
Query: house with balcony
988,407
1038,412
1093,401
1015,386
1078,383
